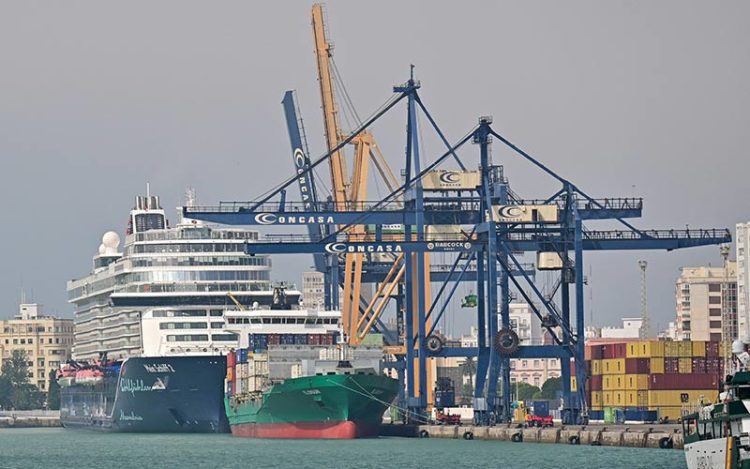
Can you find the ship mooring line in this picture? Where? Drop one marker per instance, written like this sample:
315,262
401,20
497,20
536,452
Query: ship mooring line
370,396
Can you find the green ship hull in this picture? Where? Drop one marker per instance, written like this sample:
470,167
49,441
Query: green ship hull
339,406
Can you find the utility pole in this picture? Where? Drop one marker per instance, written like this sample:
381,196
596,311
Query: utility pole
644,332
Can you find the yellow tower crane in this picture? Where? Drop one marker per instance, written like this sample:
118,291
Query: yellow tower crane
352,194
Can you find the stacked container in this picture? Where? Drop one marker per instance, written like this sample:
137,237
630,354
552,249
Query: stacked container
640,377
247,371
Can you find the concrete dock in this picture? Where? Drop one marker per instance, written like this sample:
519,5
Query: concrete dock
633,436
30,419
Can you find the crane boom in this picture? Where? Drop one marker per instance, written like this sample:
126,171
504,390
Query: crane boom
330,117
306,180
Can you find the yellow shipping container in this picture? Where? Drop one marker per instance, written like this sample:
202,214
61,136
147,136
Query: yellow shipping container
608,398
573,386
644,349
686,348
613,366
636,382
619,398
657,365
685,365
596,367
699,348
670,412
597,399
597,407
636,398
671,349
671,398
613,382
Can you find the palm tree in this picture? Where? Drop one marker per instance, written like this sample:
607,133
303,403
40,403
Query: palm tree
469,367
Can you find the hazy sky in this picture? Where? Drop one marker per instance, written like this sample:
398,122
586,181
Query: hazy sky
623,98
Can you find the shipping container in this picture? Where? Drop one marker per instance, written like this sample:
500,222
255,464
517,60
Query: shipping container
714,365
596,367
613,366
645,349
638,414
713,349
573,385
230,374
636,382
656,365
595,383
597,398
686,348
540,408
242,355
593,352
685,365
682,397
671,349
671,365
636,398
596,414
699,348
670,412
698,365
619,398
608,398
613,382
614,350
637,365
683,381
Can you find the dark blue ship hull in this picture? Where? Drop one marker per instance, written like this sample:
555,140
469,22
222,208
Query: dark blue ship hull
152,394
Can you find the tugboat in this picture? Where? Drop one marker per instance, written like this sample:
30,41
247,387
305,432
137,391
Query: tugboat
718,436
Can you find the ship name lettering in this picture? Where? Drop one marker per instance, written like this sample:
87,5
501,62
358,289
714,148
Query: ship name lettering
133,386
130,417
159,368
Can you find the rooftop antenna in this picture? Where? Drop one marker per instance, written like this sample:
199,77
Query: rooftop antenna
148,189
644,331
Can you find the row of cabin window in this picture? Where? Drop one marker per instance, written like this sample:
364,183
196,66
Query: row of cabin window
282,320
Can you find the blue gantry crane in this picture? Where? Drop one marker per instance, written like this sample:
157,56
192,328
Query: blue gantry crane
488,229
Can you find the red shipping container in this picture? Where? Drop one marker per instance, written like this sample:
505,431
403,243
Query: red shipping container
596,383
593,352
615,350
671,365
640,366
699,365
712,349
683,381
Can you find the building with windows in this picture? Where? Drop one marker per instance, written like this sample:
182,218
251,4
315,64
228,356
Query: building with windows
706,303
528,326
742,240
47,341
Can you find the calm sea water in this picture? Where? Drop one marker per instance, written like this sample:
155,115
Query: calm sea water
60,448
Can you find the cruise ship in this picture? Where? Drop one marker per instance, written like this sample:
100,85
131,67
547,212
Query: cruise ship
150,340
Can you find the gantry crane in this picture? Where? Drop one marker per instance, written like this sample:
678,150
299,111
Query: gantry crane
498,225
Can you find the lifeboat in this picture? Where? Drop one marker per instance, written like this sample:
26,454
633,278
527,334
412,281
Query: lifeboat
66,375
89,376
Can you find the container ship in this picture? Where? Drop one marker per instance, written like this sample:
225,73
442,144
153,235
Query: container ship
295,384
150,345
